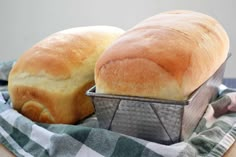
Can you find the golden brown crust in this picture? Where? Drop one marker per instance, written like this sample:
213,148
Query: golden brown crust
48,82
43,106
63,51
165,56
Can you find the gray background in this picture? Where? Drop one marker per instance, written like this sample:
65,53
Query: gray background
25,22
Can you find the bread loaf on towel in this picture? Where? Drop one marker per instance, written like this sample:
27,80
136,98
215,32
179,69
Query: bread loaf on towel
49,81
166,56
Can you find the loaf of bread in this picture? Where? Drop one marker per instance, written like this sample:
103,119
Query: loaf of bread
48,82
166,56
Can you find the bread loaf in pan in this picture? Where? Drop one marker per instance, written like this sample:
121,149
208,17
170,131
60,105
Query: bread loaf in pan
48,82
166,56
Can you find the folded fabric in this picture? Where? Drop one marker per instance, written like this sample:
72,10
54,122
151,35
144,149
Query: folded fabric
5,68
226,102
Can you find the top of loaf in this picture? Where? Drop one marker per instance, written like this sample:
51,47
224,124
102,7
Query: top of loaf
166,56
59,54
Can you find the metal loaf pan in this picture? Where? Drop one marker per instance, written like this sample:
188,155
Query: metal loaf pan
156,120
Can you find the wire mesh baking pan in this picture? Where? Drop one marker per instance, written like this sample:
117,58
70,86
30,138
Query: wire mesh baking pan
156,120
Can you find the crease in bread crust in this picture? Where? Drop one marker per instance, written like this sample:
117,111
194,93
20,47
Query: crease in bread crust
36,111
